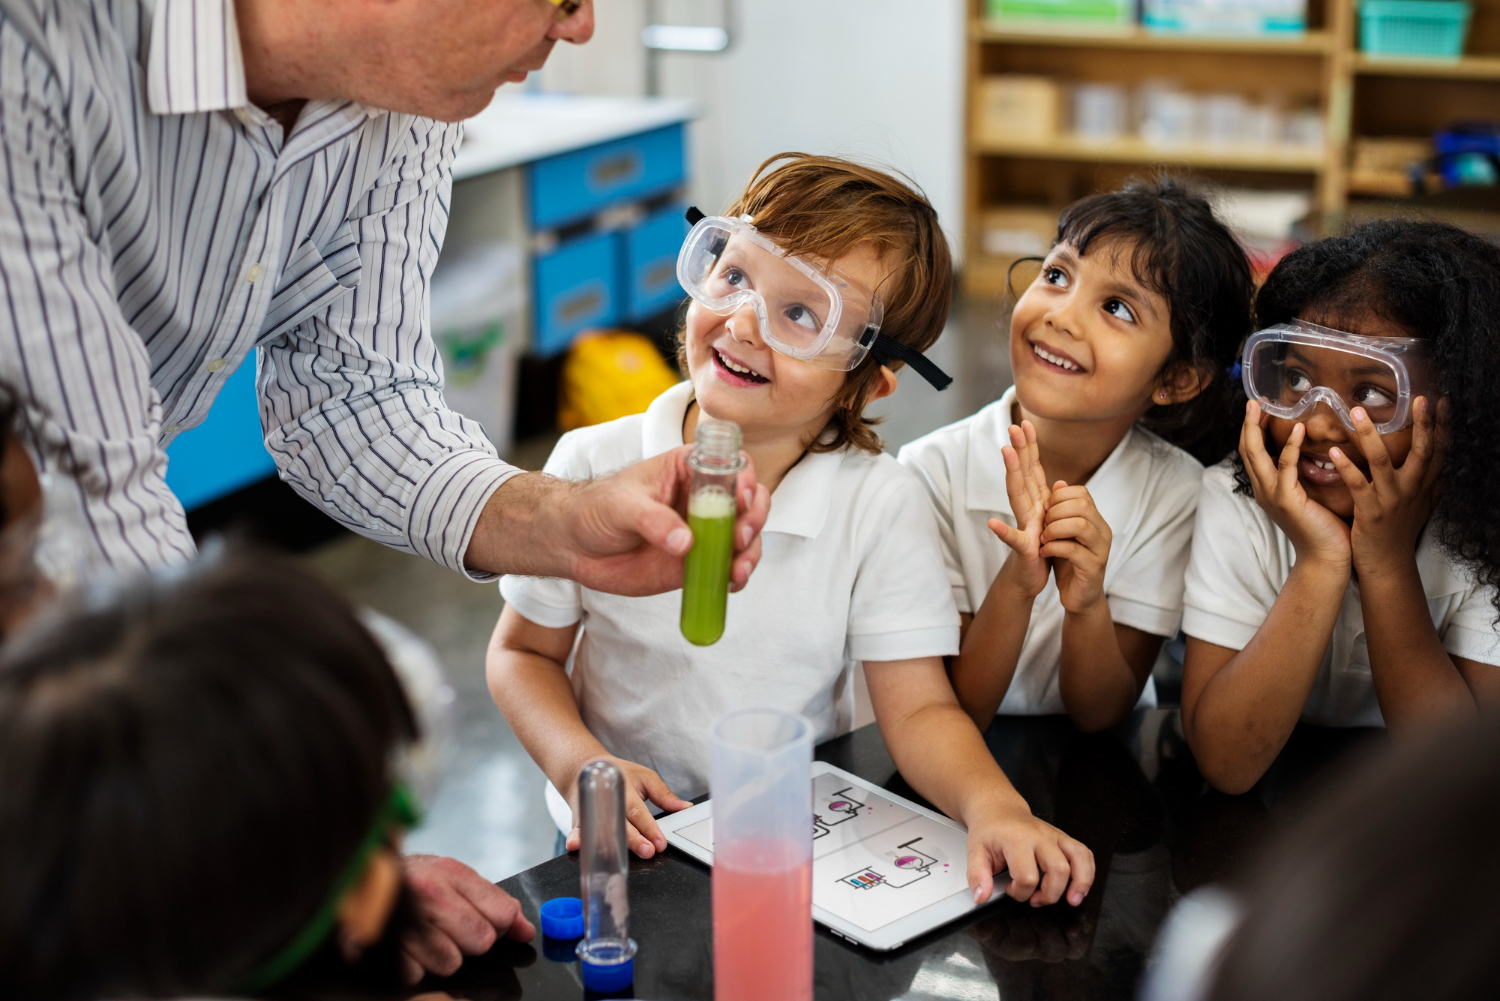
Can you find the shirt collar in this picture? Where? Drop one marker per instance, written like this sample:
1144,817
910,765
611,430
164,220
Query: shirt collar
194,63
986,467
1440,575
802,499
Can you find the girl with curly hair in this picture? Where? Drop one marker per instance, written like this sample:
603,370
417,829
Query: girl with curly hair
1345,564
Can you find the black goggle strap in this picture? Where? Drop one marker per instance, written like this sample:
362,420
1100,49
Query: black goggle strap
694,215
888,349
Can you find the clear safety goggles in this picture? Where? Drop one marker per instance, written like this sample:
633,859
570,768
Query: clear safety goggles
805,310
1292,367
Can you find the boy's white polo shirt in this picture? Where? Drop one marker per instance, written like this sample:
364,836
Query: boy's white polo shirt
849,571
1146,490
1240,562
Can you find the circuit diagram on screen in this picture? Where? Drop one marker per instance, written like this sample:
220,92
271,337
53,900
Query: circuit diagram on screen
907,865
837,808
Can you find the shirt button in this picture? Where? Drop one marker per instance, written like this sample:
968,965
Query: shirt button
217,365
171,429
244,115
255,273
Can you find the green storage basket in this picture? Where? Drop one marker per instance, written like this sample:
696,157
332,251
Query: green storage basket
1431,28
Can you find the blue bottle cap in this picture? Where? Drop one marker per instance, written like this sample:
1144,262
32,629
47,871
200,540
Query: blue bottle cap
615,973
562,918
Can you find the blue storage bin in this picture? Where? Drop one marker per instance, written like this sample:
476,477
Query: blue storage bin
1431,28
575,185
227,451
650,280
576,288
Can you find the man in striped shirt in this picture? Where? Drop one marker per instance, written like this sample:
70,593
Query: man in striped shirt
185,182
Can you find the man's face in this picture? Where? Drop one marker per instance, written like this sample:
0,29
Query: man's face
445,58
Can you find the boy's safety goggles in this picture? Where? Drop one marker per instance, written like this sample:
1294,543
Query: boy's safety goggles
808,311
1292,367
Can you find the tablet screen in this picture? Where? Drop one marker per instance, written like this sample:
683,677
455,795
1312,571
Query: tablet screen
874,861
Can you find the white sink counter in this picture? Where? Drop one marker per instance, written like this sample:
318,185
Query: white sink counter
522,128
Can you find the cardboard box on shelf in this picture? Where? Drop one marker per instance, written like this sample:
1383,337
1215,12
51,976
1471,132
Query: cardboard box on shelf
1016,231
1015,107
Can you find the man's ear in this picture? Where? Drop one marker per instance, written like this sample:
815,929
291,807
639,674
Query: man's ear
1181,382
884,386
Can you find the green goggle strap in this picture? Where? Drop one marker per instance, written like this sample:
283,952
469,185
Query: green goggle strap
400,811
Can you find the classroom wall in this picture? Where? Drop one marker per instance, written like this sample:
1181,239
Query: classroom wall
876,79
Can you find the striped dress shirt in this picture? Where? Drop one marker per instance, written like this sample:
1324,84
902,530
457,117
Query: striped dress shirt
156,228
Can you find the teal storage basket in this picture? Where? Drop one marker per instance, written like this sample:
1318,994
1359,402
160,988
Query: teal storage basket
1434,29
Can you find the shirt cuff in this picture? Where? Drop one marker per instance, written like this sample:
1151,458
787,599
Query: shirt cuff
908,644
520,593
447,504
1146,618
1472,644
1217,629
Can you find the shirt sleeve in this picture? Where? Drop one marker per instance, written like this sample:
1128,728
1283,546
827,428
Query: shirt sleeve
1229,590
551,601
352,399
928,462
1145,593
66,346
902,605
1473,632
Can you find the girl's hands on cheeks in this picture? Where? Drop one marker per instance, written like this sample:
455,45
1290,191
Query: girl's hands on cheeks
1044,864
641,831
1316,532
1391,507
1076,539
1026,568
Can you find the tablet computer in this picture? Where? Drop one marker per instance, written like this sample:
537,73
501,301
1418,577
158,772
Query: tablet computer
885,870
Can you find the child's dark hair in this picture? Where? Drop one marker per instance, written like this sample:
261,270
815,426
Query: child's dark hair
1389,889
1441,283
188,769
1180,250
825,207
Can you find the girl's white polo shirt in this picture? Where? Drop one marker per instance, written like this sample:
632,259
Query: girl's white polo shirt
850,571
1240,562
1146,490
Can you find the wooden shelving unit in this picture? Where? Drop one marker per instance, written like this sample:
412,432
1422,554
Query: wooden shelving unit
1359,96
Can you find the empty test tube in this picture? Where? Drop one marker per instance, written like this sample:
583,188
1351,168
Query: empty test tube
606,951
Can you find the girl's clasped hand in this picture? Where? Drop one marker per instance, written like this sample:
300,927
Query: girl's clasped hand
1058,530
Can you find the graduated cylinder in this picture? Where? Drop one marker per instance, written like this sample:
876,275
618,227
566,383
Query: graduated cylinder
716,461
760,778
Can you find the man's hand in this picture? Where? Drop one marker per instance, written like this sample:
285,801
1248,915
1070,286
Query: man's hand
622,534
458,913
628,534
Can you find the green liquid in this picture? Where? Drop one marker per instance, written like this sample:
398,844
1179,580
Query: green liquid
705,569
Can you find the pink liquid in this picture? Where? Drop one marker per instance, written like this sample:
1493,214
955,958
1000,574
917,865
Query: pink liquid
763,934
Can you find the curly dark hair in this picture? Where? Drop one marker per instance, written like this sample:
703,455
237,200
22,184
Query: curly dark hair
1442,283
1181,251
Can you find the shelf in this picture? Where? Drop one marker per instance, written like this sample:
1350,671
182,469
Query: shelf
1290,160
1312,43
1467,68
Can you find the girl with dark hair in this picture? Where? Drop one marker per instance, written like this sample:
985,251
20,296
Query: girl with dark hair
1345,563
202,792
1119,349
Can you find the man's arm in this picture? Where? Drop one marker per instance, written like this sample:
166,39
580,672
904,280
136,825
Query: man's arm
352,407
64,342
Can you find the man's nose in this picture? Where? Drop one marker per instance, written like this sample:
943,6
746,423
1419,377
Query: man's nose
577,27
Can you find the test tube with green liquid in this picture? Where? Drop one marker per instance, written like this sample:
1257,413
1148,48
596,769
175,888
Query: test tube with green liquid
716,461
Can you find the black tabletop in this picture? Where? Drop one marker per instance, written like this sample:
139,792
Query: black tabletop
1132,795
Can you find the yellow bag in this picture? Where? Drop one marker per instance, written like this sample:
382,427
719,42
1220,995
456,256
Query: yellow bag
610,374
